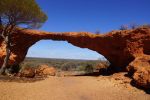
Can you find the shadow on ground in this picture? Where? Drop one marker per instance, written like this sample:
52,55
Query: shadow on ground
136,86
96,74
141,88
20,79
102,71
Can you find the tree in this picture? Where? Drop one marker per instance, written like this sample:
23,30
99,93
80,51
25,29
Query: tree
14,14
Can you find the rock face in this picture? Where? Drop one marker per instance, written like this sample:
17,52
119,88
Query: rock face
119,47
140,71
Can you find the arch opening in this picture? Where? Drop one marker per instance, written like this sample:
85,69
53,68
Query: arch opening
64,57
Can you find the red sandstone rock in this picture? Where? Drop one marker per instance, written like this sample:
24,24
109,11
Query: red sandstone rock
119,47
27,72
140,68
45,70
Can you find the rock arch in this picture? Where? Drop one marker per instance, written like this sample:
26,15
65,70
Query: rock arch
119,47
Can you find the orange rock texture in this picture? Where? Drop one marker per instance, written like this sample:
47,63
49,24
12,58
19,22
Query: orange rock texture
140,71
45,70
119,47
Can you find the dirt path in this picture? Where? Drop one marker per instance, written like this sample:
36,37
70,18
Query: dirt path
71,88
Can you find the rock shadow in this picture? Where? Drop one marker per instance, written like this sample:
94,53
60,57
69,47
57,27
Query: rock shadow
139,87
20,79
133,83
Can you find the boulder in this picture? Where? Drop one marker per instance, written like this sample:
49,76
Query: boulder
27,72
44,70
139,69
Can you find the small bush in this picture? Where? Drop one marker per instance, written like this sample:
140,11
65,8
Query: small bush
123,27
97,32
15,68
81,68
133,26
88,68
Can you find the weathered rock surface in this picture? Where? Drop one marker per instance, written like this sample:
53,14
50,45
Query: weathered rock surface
140,71
119,47
44,70
27,72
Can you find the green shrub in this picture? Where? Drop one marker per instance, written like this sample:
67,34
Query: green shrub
88,68
81,68
15,68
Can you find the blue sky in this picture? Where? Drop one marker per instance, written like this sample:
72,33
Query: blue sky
85,15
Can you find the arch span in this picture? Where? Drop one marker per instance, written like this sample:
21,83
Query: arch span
118,47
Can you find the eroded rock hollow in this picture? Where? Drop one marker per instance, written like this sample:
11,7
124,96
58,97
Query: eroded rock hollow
119,47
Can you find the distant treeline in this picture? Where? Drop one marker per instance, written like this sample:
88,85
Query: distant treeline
65,64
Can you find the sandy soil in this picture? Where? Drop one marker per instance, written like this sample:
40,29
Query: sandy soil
72,88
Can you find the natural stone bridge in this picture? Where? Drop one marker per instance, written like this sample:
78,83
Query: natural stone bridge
119,47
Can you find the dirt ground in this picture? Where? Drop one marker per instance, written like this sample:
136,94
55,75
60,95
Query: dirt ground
72,88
